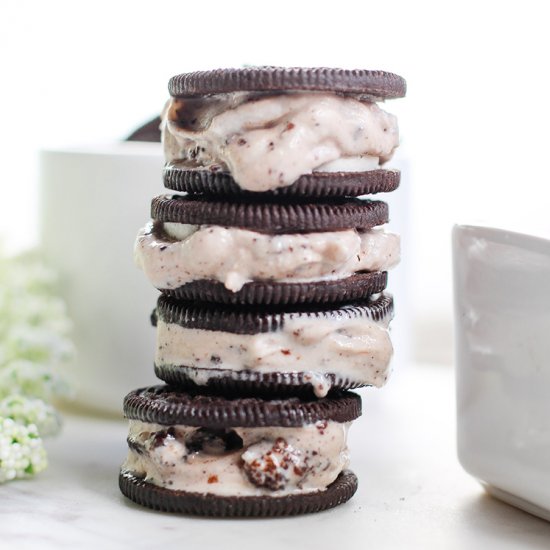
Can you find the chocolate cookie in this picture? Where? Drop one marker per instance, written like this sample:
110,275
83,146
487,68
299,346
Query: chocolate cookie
365,83
349,289
313,132
320,184
227,456
259,351
270,217
267,252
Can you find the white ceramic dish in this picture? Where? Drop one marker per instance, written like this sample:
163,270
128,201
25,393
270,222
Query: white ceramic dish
93,202
502,327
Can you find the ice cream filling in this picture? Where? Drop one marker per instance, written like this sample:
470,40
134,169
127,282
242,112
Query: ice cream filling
357,349
269,141
240,461
173,254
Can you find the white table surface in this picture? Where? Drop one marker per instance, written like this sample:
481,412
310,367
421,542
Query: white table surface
412,493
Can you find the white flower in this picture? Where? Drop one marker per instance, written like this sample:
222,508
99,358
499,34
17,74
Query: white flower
21,451
28,410
34,343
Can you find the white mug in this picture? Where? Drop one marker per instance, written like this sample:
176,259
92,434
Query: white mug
502,328
93,203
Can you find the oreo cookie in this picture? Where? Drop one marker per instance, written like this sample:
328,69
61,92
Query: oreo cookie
354,287
290,132
271,217
318,185
257,351
199,504
360,82
267,252
205,454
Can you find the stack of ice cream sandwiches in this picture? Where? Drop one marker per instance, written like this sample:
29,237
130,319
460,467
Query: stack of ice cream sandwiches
271,258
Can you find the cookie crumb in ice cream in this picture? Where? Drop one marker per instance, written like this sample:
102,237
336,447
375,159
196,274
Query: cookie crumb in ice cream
273,466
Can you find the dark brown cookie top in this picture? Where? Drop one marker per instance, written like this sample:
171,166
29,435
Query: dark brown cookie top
169,406
318,184
250,320
373,84
271,217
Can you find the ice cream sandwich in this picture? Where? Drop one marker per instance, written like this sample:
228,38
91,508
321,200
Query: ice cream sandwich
250,252
229,456
266,351
282,131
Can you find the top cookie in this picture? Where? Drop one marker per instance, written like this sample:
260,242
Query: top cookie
374,84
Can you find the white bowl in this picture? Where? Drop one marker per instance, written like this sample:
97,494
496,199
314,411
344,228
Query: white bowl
502,327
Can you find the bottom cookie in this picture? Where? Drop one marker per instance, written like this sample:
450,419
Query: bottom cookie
183,502
250,383
355,287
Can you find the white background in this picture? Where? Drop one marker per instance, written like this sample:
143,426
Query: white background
474,124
